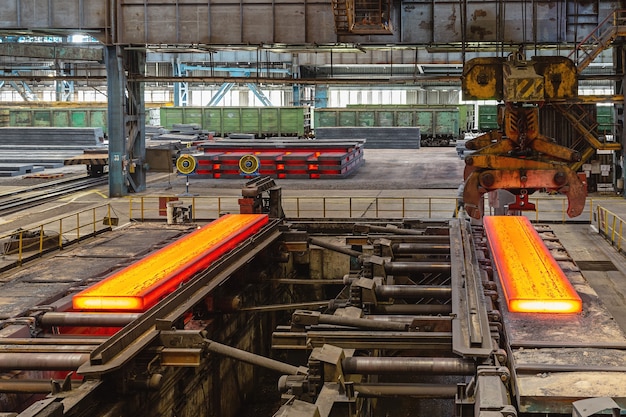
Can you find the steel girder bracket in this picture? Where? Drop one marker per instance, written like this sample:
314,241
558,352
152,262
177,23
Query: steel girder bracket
487,394
219,95
525,181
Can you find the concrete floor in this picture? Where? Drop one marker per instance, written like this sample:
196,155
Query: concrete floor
384,170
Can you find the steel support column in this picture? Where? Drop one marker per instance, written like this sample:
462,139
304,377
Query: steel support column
181,89
117,133
64,88
126,121
619,58
321,96
135,120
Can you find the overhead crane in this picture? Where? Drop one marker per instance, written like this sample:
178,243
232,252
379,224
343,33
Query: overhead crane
518,158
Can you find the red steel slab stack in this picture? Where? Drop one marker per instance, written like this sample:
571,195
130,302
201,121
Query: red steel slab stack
283,159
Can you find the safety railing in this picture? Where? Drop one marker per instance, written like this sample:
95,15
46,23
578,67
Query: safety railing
29,242
154,208
369,207
21,244
598,39
610,226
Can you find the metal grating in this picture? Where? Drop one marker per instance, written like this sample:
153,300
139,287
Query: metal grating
596,265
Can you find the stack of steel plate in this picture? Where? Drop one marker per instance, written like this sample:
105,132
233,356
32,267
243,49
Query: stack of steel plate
377,137
284,159
25,150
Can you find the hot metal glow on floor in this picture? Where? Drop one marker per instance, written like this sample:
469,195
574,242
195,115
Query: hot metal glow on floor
532,280
142,284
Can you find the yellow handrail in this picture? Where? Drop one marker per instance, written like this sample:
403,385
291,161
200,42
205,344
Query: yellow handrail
609,225
548,208
53,234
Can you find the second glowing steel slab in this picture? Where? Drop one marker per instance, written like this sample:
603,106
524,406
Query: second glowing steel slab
532,280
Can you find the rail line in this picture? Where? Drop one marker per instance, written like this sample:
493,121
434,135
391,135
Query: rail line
26,197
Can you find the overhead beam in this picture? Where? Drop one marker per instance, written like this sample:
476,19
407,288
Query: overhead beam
93,52
242,80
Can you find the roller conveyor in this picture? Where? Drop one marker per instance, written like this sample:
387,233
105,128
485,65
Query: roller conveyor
414,327
557,359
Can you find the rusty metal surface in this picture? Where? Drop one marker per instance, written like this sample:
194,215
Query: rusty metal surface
295,22
470,325
557,360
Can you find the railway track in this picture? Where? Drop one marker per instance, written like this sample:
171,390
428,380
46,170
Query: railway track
31,196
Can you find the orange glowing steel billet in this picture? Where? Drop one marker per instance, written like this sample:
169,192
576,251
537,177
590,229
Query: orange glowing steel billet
531,279
142,284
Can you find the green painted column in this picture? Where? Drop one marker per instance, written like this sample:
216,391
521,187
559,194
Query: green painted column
126,121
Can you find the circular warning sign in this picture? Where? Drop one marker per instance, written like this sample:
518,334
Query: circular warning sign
249,164
186,164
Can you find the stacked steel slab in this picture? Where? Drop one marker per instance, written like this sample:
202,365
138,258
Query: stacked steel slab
284,159
30,149
377,137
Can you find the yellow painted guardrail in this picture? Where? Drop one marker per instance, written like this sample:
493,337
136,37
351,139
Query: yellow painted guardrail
72,228
610,226
548,208
57,233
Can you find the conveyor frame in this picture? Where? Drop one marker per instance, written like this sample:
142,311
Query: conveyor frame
127,343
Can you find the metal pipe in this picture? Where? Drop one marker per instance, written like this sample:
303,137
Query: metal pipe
253,359
413,291
391,230
30,386
87,319
281,307
236,80
297,281
46,348
407,248
416,309
362,323
42,361
405,390
409,318
399,268
358,339
336,248
408,365
431,239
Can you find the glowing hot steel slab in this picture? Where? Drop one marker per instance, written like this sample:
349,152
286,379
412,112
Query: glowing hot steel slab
141,285
532,280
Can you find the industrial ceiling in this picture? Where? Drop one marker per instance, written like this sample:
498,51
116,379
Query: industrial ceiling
349,41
